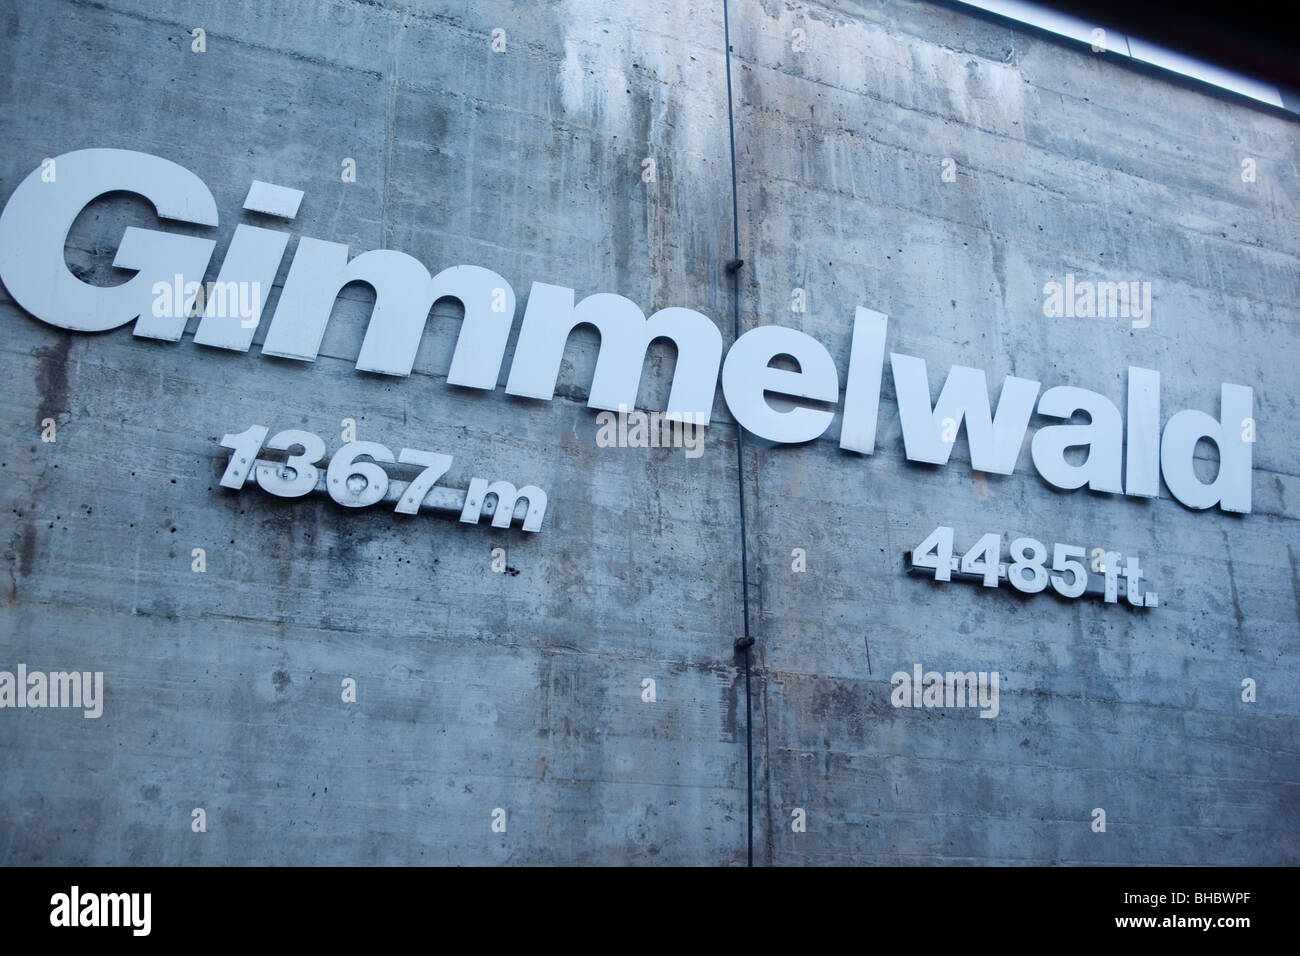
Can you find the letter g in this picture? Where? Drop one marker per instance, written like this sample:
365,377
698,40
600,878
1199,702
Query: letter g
34,232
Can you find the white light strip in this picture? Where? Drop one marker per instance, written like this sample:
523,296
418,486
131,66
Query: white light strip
1120,44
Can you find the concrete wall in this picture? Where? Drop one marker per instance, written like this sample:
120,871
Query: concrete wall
523,690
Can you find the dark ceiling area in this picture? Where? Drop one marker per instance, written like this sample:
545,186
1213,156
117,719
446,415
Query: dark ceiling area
1257,39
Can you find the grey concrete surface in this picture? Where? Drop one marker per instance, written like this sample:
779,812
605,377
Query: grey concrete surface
522,690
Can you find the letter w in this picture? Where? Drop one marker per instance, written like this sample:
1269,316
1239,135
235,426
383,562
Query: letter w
994,440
